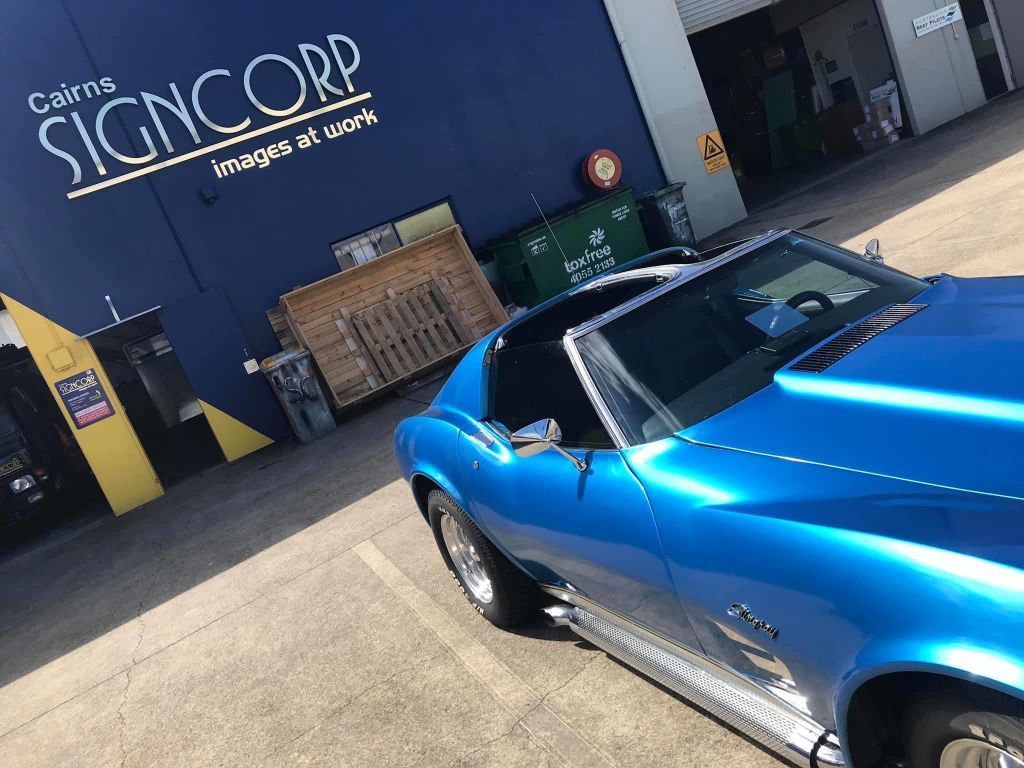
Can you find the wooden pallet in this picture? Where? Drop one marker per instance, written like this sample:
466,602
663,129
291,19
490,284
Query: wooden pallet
377,325
408,331
282,329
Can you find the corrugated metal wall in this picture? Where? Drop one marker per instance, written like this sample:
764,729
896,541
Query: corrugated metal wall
701,14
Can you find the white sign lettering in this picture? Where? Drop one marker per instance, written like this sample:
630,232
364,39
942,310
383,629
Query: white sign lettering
67,387
937,19
321,70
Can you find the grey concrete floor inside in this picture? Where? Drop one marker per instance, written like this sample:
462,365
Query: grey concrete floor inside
291,608
949,201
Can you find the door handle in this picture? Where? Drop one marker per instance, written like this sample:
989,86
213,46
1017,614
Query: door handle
483,438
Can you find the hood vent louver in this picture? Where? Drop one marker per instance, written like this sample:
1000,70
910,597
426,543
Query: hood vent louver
835,350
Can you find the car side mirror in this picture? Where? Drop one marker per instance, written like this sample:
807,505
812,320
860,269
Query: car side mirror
873,251
539,437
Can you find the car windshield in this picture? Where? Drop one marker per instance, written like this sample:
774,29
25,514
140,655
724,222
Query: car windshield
696,349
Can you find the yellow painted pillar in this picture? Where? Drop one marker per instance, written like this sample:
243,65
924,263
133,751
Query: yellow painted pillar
234,438
110,446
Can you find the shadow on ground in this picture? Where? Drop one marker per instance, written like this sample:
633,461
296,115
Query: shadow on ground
70,590
111,571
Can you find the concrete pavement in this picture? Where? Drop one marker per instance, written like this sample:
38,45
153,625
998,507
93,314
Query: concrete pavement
291,609
948,201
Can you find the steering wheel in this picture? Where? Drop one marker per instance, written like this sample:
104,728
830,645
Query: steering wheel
820,298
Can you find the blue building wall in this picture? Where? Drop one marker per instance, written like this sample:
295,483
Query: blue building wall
478,103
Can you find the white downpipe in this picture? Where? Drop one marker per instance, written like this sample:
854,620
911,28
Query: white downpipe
652,126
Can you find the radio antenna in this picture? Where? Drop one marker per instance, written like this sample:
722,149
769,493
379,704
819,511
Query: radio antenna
548,225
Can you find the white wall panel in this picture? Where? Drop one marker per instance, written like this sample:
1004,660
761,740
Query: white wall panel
937,72
675,104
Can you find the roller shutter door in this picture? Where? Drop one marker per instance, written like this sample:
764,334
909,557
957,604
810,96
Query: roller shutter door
701,14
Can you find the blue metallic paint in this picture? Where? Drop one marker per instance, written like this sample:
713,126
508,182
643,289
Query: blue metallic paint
875,531
844,564
427,446
962,387
593,530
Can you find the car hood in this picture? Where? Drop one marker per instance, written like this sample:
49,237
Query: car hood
937,398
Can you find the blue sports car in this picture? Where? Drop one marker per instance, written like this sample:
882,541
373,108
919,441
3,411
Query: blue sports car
780,478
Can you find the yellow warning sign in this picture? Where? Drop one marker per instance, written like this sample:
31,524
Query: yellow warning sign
712,149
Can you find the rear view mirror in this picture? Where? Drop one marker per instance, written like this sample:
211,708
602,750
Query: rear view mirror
873,251
536,438
539,437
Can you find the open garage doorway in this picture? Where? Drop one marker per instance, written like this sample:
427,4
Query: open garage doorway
788,85
46,484
156,395
993,68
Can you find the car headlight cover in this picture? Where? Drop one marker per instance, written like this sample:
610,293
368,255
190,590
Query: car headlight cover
23,483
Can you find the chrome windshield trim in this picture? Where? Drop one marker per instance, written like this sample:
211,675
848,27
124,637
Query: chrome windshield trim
686,273
659,274
682,277
603,412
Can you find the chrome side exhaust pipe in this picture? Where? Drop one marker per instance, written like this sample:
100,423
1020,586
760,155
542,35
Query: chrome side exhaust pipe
732,698
559,615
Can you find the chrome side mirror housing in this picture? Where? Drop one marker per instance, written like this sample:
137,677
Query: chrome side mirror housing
541,436
873,251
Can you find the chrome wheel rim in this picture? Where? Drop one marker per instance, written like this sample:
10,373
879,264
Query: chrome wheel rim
971,753
466,559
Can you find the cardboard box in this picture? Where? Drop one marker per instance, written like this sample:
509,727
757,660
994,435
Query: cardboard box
870,132
889,92
879,128
879,143
879,110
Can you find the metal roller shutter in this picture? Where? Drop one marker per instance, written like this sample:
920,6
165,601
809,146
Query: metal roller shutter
701,14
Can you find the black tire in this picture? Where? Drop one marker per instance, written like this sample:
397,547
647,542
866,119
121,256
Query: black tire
945,714
515,597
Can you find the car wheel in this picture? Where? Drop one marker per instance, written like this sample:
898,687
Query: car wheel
498,590
947,728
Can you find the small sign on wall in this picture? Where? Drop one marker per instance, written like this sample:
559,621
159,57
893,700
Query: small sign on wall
712,151
85,399
603,169
937,19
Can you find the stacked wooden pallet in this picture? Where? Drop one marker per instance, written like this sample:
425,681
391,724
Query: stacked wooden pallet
383,323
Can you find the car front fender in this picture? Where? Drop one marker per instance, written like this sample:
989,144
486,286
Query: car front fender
427,446
952,657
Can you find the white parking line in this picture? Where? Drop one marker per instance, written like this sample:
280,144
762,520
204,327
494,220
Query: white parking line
559,738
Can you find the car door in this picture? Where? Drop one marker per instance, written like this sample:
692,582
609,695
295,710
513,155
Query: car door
730,580
662,370
589,532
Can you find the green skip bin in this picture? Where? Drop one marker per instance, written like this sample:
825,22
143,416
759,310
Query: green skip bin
595,237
